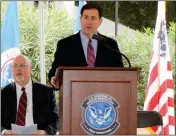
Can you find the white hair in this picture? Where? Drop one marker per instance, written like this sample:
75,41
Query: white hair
27,60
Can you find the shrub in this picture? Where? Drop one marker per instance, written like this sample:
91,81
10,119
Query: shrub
57,25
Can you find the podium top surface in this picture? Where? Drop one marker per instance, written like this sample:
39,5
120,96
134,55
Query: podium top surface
101,68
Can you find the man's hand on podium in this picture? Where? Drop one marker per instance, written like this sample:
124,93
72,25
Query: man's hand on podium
53,81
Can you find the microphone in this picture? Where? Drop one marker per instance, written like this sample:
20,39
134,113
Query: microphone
103,39
98,37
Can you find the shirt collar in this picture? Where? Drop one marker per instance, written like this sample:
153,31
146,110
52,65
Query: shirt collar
85,39
26,86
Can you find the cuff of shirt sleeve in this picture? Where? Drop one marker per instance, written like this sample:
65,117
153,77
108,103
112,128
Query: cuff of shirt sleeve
3,132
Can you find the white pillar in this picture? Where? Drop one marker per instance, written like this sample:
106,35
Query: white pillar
42,46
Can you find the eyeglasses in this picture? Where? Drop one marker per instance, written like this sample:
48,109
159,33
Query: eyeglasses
20,66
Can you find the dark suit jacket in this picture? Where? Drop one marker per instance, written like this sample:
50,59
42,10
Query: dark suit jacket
70,52
45,109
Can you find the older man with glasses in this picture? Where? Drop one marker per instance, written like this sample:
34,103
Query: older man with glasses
25,102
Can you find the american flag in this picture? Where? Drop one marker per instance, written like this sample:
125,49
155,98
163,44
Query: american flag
160,89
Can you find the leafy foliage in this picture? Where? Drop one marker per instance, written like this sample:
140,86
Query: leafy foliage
136,14
57,25
138,48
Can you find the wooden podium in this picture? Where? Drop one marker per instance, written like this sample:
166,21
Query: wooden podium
80,86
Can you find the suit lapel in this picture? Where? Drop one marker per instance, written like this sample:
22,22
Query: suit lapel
34,98
101,50
79,49
100,54
13,99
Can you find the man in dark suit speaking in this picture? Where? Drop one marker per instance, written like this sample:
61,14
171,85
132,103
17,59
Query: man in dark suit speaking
82,50
25,102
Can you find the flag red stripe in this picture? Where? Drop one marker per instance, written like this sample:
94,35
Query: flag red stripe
153,102
169,67
153,75
164,110
170,102
166,130
170,84
163,88
171,120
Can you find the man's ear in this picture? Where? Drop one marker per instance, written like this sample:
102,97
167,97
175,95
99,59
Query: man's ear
31,68
100,21
80,18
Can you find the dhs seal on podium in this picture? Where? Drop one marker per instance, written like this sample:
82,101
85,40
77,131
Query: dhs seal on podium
100,114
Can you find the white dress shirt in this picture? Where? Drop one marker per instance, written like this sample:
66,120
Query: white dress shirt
29,111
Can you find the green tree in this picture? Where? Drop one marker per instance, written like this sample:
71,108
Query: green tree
57,25
136,14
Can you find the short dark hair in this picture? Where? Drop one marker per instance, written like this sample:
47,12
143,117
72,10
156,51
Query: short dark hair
91,6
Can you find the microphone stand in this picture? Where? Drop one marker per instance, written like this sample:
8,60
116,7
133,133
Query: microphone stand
103,40
120,54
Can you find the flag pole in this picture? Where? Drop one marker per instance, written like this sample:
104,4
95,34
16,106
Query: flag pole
116,18
42,46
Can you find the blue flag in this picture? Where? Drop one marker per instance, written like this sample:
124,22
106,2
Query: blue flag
78,24
10,42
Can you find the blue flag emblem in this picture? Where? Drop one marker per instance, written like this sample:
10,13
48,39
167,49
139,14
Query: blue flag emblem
10,42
